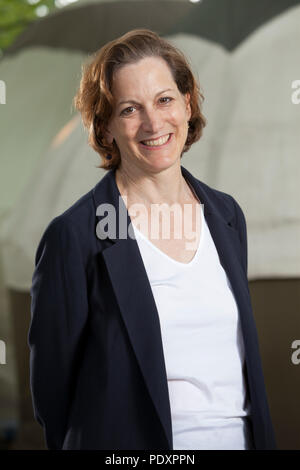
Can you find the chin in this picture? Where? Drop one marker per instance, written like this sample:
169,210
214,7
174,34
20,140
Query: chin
161,163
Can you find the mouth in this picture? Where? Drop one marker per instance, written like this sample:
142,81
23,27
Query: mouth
155,144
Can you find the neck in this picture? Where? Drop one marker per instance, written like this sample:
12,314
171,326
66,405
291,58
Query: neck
167,186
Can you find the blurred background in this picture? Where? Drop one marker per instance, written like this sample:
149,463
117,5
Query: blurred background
246,56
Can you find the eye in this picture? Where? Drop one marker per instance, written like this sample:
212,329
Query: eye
166,98
125,111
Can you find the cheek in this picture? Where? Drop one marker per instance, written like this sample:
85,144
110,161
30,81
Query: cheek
130,131
124,136
179,118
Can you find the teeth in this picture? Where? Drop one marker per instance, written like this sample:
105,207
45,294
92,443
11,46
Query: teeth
153,143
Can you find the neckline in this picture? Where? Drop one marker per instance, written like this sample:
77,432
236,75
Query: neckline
169,258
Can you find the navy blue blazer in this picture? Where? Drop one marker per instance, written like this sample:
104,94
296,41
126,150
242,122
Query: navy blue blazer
97,372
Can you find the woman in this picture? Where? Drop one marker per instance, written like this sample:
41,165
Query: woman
140,340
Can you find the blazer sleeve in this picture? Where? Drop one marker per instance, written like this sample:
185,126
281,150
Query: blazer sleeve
59,309
241,226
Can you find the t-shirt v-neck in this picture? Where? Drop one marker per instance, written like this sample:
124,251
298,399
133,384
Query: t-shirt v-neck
140,235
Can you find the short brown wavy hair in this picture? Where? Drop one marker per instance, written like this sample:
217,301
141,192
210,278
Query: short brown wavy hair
94,99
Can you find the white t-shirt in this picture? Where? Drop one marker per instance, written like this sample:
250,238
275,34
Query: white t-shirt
203,346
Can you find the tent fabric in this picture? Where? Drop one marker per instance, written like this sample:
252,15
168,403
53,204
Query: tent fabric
240,153
40,85
67,171
259,158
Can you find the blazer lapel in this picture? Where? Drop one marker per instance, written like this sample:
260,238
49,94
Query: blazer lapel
133,291
136,302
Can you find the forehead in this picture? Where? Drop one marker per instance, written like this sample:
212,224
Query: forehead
142,76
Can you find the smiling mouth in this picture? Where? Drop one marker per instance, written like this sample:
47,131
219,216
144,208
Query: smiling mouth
156,142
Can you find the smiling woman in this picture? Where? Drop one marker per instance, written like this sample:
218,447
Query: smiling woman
145,342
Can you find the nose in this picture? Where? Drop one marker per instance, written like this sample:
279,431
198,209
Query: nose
152,121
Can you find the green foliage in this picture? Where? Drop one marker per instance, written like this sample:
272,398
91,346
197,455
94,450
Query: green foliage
16,15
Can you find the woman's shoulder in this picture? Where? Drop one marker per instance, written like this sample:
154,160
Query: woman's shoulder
220,200
78,222
227,200
74,226
78,214
216,193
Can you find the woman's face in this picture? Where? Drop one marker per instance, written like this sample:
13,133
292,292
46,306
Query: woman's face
148,106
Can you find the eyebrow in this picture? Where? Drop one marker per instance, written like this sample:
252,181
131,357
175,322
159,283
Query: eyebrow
135,102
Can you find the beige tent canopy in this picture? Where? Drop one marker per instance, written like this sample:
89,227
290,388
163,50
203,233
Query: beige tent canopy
249,149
